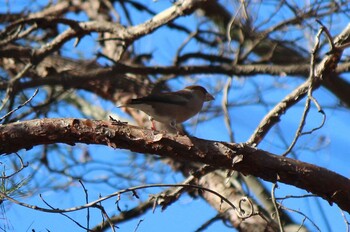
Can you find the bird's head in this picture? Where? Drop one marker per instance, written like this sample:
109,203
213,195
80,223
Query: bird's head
200,91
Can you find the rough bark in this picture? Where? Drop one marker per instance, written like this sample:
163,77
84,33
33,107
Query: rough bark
248,160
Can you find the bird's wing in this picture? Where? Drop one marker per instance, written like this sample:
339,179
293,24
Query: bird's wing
168,98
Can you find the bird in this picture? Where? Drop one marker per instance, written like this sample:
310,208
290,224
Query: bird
172,107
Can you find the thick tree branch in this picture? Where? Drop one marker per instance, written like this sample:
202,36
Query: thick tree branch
334,188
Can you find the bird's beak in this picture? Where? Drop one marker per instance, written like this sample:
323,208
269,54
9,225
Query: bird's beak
209,97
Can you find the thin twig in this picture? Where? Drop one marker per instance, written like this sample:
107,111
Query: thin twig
95,203
105,215
12,82
20,106
11,35
295,197
19,170
328,35
138,224
53,209
320,110
311,80
183,45
301,213
274,185
205,225
224,105
346,221
86,201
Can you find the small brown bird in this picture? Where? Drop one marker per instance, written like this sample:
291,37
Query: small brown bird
172,107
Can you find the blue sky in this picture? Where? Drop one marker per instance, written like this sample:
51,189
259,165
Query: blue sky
187,214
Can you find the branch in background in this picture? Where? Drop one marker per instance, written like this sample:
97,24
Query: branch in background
324,71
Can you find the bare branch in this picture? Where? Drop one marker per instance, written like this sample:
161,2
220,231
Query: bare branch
277,210
334,187
325,70
20,106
